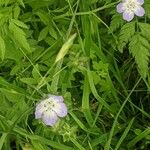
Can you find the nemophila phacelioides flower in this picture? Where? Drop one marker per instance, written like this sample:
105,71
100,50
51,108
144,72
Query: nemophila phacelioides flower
129,8
51,109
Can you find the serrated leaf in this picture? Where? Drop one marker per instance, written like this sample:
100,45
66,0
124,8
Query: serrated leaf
2,48
21,3
43,17
52,32
145,30
127,31
16,12
19,23
15,70
12,52
43,34
147,8
20,36
116,22
29,81
36,72
11,94
139,47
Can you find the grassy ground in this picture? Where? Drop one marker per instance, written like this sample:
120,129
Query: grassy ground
84,51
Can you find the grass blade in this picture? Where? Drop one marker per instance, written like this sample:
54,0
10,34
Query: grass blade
124,134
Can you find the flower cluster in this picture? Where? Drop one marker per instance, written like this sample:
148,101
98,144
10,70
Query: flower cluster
49,110
131,7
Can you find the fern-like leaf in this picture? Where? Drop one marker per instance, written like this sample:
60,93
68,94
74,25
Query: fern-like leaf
127,31
19,36
145,30
139,47
116,22
147,8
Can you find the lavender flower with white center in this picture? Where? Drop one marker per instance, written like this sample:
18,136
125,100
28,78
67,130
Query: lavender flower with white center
131,7
49,110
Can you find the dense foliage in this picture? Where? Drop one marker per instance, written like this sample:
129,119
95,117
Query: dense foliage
84,51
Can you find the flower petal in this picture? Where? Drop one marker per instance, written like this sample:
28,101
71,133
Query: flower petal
49,117
56,98
120,8
40,108
60,109
141,2
128,16
38,114
140,11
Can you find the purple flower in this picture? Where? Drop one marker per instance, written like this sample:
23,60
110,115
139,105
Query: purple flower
49,110
131,7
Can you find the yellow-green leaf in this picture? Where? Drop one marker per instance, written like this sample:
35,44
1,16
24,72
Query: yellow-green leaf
63,51
19,23
2,48
16,12
43,34
20,36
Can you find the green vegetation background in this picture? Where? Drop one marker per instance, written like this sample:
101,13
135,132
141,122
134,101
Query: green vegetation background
84,51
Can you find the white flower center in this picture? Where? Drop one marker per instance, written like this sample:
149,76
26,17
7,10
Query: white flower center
130,6
49,104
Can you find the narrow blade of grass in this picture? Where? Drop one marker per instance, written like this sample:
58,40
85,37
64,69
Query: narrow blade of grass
94,91
2,140
139,137
107,145
124,134
85,102
81,125
79,146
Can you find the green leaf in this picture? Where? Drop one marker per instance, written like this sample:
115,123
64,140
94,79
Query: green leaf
12,95
2,48
95,93
82,125
79,146
116,22
37,4
36,73
137,131
43,17
21,3
52,32
3,139
145,28
19,23
124,135
12,51
147,8
127,31
66,46
29,81
16,11
20,36
86,102
139,47
142,135
15,70
43,34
